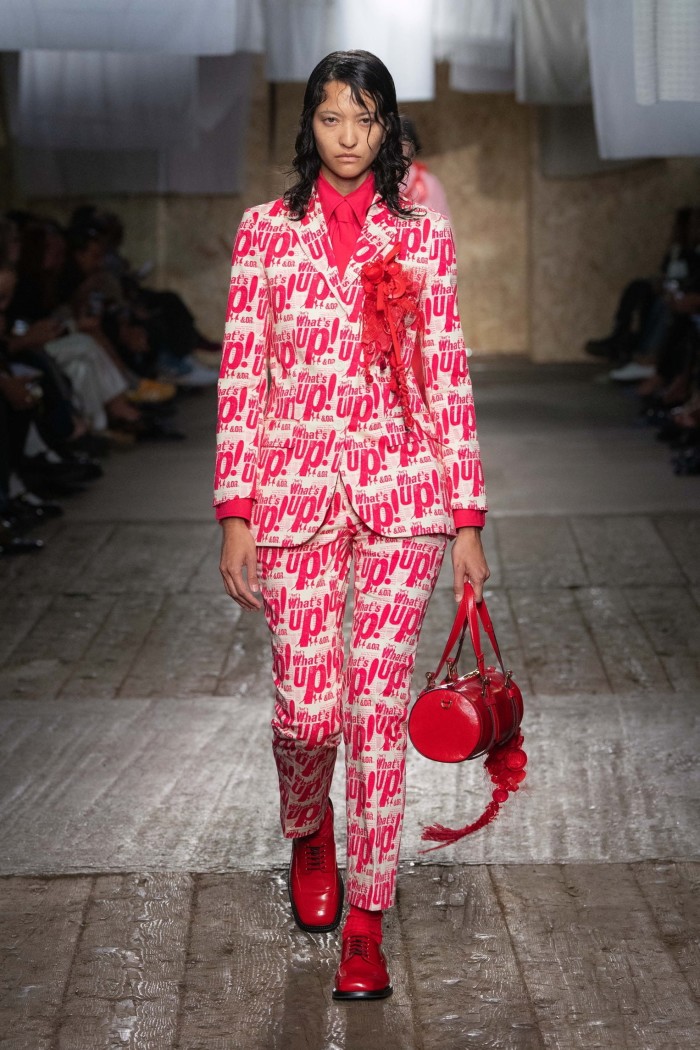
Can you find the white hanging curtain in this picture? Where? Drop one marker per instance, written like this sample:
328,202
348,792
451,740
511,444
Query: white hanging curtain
106,100
215,165
187,27
297,34
480,78
551,52
476,33
667,51
398,32
476,38
300,32
624,127
567,144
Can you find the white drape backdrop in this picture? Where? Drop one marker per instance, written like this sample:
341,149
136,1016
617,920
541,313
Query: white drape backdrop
667,51
476,38
300,32
551,52
186,27
624,127
215,162
166,83
106,100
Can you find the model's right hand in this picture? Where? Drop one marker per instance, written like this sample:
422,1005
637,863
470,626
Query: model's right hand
238,554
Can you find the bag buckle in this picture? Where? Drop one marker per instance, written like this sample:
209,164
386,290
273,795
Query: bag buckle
430,678
452,670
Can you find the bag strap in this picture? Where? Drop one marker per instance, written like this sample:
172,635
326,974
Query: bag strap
468,615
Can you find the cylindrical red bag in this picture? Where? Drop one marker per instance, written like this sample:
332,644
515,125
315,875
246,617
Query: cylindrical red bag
470,715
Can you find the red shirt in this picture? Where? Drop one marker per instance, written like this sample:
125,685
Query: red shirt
345,217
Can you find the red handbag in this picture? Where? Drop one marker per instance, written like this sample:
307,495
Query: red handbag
471,715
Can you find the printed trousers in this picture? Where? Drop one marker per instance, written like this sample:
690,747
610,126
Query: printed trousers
321,695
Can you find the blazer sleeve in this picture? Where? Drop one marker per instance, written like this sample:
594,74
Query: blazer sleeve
242,387
448,383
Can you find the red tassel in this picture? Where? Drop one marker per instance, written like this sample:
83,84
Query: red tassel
446,836
506,767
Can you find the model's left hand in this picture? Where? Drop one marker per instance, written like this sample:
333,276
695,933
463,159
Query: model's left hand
469,562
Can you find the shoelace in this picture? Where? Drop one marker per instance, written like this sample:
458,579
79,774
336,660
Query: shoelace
358,944
315,858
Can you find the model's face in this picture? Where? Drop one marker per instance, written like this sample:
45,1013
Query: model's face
348,137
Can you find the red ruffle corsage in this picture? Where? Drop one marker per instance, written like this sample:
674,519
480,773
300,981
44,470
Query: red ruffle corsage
391,307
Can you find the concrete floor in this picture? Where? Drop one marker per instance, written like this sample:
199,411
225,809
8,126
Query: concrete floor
142,899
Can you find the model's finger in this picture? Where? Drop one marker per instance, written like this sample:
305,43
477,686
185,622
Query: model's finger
242,594
253,581
460,574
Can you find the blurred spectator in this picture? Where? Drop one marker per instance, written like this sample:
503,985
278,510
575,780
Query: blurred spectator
421,185
642,315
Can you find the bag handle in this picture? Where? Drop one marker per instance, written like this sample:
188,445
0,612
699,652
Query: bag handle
468,615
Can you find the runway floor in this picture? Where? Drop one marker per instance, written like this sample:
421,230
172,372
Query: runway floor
142,890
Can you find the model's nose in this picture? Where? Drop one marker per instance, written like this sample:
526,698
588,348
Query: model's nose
348,136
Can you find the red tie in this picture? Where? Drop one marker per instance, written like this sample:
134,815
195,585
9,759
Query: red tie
344,236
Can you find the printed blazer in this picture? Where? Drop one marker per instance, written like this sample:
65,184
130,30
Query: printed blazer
295,408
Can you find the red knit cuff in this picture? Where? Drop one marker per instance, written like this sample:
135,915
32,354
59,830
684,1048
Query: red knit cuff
234,508
464,518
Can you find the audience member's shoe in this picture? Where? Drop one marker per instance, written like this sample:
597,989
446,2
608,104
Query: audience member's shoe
90,468
31,509
362,973
687,462
617,347
72,468
208,344
119,439
209,358
632,372
315,885
11,543
154,429
152,391
600,347
186,372
91,445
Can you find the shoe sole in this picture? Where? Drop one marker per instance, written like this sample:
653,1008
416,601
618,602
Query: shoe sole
382,993
318,929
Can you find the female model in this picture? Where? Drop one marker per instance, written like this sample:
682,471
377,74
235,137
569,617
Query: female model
346,437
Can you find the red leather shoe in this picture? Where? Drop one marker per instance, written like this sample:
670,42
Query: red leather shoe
362,973
315,885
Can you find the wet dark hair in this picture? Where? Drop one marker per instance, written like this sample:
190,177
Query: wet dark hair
368,79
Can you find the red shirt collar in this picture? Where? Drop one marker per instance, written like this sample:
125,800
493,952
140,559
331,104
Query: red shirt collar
359,200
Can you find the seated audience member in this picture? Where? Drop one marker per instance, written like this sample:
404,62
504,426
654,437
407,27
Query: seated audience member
170,326
44,321
642,315
20,404
421,185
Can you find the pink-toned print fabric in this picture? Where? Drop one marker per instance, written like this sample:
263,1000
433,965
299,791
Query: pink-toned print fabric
295,410
319,699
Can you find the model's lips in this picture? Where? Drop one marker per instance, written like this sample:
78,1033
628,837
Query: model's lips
347,156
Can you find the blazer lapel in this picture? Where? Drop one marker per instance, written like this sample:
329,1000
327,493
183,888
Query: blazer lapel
316,244
376,238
